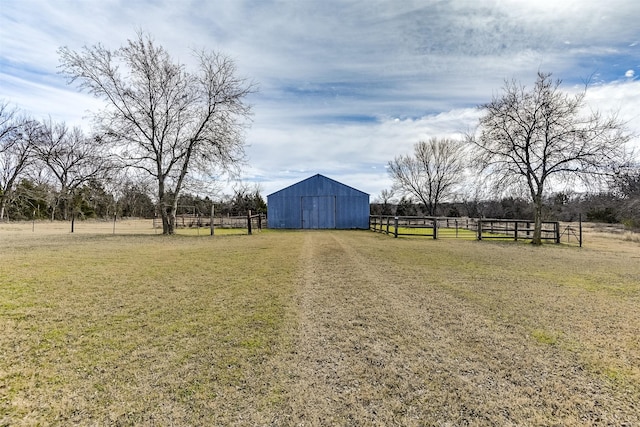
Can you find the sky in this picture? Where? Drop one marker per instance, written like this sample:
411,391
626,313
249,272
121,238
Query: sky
344,86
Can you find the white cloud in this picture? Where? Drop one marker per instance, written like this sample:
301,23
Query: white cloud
621,99
357,151
344,86
42,100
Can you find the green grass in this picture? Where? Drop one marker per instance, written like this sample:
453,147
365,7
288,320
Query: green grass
442,232
544,337
315,328
218,231
123,327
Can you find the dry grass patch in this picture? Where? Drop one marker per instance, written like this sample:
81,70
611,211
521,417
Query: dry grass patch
140,330
317,328
38,229
414,332
631,237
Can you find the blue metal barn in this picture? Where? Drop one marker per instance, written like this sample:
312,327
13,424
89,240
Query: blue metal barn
318,202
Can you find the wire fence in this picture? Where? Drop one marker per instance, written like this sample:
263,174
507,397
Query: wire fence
142,226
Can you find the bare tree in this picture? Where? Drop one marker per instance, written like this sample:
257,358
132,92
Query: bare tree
72,159
432,173
474,196
9,124
627,187
383,205
134,198
167,122
17,136
543,136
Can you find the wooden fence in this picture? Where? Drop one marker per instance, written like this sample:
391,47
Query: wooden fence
249,221
433,227
468,228
516,229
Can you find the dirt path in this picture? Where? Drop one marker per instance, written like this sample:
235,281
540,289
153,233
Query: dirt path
383,344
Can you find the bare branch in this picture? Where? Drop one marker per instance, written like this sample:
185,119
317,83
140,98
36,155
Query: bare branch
535,137
433,172
165,120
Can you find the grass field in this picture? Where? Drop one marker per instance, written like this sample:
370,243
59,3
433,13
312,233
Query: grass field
315,328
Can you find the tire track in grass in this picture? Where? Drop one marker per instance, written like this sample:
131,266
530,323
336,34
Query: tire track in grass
358,360
380,344
500,374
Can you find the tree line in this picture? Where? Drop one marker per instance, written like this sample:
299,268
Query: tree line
164,128
46,167
51,172
536,145
611,207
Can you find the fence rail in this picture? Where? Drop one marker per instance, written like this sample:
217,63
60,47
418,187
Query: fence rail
249,221
469,228
405,225
516,229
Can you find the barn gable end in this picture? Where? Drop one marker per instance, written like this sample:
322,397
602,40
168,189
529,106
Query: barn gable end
318,202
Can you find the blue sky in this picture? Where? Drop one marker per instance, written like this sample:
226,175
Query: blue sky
344,86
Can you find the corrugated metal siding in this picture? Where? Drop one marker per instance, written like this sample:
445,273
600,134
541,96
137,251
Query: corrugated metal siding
318,211
318,202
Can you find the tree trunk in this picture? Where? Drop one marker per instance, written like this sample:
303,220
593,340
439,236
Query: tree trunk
173,211
166,209
168,218
165,221
537,228
3,203
168,212
63,202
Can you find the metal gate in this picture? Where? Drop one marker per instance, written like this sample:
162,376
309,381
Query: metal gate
318,212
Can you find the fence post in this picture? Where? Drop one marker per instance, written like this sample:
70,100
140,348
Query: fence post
580,228
249,222
479,229
395,221
435,228
211,228
556,226
515,231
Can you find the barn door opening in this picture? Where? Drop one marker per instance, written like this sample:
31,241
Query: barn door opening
318,212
